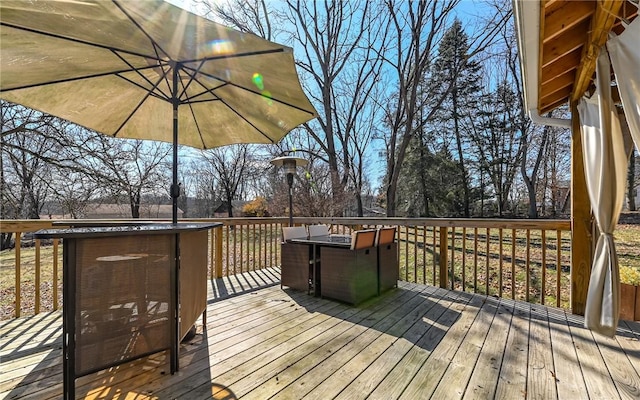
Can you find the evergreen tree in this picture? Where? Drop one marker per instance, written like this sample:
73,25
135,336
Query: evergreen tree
457,77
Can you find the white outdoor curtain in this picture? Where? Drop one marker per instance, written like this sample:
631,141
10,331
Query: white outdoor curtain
625,59
606,172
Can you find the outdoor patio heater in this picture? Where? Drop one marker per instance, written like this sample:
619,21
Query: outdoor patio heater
289,163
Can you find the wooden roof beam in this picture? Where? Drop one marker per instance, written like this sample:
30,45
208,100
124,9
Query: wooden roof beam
601,24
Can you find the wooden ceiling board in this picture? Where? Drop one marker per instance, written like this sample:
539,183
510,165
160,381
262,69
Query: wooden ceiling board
568,62
555,99
564,42
563,15
552,106
558,83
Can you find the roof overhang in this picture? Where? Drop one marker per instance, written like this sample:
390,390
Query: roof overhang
558,43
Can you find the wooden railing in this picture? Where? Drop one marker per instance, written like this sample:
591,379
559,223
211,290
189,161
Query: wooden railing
520,259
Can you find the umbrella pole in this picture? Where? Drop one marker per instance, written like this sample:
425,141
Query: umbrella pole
175,188
175,193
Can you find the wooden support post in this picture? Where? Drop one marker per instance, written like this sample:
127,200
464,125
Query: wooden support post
443,256
581,222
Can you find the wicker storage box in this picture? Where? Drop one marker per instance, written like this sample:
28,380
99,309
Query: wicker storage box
295,270
348,275
388,271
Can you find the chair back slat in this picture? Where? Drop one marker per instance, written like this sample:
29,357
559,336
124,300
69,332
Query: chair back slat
363,239
386,235
293,232
318,230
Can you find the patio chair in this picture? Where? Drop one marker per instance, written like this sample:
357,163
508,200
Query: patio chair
363,239
350,274
293,232
295,266
318,230
387,253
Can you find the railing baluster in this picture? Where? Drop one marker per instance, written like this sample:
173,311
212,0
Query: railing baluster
219,232
227,250
212,256
238,249
453,257
464,259
500,264
265,240
406,253
527,265
415,254
37,278
424,254
433,254
444,236
544,266
558,265
18,245
475,260
513,264
56,304
488,269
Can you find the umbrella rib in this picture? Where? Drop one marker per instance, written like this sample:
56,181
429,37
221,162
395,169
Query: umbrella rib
155,44
226,82
151,92
70,39
192,77
162,95
137,107
78,78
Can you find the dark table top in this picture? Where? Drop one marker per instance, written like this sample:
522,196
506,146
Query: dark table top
123,230
330,240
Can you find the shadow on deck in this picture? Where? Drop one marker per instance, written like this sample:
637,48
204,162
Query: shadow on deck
413,342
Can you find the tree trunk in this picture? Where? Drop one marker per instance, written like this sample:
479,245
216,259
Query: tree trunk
463,170
229,204
134,200
532,181
360,208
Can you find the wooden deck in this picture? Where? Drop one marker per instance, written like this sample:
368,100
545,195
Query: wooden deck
415,342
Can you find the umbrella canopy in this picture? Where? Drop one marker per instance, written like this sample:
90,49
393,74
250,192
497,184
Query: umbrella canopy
148,70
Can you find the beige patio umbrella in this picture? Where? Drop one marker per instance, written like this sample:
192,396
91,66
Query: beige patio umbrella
148,70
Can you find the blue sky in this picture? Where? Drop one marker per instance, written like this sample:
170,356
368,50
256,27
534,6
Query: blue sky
468,11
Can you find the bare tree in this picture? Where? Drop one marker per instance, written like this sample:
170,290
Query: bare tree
72,193
339,46
250,16
122,167
25,149
232,165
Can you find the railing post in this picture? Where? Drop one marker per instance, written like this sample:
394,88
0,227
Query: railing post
444,233
218,253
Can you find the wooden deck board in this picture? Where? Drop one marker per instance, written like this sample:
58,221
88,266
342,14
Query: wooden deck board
541,383
512,382
484,379
414,342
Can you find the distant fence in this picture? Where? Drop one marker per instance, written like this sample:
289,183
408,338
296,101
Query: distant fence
520,259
